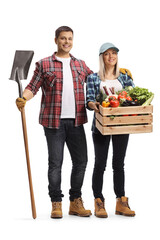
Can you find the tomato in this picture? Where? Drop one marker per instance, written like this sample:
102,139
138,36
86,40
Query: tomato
114,103
129,98
121,96
112,98
124,93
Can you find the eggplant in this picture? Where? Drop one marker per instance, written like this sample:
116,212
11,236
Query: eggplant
127,103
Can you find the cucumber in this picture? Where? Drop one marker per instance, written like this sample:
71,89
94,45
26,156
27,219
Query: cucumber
148,102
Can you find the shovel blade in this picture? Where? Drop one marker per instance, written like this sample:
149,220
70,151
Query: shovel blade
22,61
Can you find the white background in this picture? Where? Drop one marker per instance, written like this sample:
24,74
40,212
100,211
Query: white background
133,26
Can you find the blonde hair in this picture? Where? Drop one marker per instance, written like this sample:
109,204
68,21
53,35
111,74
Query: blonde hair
102,69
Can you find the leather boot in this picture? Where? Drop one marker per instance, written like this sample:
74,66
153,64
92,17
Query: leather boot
56,210
77,208
100,208
122,207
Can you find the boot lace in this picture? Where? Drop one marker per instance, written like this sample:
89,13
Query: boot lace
125,204
56,205
79,203
100,205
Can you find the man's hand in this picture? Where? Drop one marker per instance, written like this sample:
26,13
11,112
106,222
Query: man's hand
20,102
94,106
124,71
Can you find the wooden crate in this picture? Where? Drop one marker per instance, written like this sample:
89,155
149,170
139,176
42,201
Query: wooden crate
110,121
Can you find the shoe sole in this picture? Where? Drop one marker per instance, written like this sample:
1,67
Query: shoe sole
101,216
127,215
80,215
56,216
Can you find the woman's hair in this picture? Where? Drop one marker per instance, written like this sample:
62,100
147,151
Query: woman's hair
102,69
62,29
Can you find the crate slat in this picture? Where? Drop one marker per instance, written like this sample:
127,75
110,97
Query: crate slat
125,119
124,129
126,110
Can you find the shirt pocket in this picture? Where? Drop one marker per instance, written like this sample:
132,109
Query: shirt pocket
50,78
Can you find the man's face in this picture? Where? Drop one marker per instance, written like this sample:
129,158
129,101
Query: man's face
64,42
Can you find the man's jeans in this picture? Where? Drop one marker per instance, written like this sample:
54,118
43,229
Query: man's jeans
76,142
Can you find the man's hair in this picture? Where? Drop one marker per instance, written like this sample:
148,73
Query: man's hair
62,29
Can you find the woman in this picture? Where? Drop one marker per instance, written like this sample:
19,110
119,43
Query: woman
110,78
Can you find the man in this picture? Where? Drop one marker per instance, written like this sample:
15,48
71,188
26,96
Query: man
63,113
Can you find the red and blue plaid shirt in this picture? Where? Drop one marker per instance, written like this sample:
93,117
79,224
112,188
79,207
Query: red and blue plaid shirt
49,76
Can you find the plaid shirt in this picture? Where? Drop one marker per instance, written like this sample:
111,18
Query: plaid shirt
93,89
49,76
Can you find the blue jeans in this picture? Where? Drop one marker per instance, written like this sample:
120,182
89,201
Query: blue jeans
75,139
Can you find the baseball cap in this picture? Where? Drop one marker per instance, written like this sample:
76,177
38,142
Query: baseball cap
107,46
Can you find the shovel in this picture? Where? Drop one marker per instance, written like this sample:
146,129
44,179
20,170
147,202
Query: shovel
21,64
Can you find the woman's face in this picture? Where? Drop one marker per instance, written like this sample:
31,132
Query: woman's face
110,57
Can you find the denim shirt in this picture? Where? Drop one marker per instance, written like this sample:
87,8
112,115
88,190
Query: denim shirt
93,89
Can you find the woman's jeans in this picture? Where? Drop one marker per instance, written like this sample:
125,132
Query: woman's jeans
101,146
75,139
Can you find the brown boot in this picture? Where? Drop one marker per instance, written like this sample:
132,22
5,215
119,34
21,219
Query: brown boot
77,208
100,208
56,210
122,207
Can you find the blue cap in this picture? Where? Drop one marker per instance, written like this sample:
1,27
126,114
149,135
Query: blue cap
107,46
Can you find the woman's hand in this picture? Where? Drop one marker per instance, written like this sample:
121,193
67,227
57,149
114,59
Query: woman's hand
94,106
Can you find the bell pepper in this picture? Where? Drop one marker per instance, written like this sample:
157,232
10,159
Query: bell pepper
105,104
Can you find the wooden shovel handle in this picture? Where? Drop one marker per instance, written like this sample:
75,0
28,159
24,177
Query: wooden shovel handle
28,162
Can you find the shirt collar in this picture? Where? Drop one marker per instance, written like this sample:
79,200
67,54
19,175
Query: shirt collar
55,59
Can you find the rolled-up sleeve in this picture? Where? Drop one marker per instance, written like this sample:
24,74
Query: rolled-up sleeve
90,90
37,80
126,80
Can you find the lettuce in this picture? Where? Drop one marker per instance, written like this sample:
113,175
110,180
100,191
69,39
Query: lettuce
141,94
